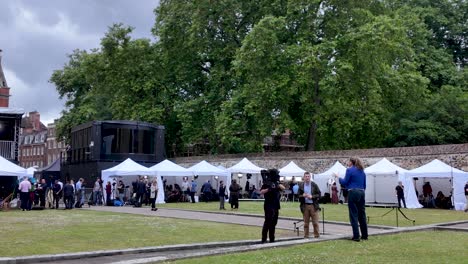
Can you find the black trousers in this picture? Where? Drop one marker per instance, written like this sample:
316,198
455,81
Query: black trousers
401,198
192,196
271,219
24,197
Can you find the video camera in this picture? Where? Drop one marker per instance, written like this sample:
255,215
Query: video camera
270,178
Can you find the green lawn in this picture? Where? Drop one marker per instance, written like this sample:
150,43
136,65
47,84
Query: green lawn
419,247
338,212
60,231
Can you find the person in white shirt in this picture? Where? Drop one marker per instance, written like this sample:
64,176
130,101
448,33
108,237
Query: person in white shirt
24,188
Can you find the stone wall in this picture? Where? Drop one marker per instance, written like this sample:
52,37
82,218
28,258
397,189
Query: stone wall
455,155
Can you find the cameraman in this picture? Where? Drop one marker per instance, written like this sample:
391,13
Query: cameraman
271,191
309,194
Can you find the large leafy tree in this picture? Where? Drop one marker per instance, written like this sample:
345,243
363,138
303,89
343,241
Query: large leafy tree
336,82
224,75
121,80
199,40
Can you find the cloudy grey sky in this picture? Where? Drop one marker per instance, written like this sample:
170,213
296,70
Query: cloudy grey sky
37,36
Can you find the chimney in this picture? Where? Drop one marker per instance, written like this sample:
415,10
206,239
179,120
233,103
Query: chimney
4,90
35,119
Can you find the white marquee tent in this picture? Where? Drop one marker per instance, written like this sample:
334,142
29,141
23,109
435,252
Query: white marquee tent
203,168
128,170
437,169
167,168
291,170
8,168
243,167
381,180
30,171
326,178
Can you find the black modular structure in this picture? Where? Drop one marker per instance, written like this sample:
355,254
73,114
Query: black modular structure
99,145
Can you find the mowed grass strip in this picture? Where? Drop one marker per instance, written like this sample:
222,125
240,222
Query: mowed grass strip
338,212
60,231
417,247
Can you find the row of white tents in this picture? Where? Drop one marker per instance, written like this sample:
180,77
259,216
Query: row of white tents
382,177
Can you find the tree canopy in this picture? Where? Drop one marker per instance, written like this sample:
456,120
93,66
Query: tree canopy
224,75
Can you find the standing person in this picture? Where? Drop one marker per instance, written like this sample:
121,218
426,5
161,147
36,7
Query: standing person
68,192
24,187
222,195
334,190
57,193
185,189
193,190
399,189
271,207
466,196
79,193
72,182
121,190
234,190
108,193
141,189
295,190
42,190
96,191
153,194
355,181
206,188
309,194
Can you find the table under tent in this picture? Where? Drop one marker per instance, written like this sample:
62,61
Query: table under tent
245,171
169,172
128,171
10,173
290,173
442,177
381,180
207,171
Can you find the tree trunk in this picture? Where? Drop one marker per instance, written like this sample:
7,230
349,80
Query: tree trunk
311,142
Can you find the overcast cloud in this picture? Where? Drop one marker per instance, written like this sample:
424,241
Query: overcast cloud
37,36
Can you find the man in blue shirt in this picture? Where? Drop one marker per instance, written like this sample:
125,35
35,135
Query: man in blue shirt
355,182
193,190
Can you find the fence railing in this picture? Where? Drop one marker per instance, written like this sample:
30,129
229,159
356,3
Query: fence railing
7,149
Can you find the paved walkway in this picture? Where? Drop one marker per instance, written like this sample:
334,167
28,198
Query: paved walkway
331,228
333,231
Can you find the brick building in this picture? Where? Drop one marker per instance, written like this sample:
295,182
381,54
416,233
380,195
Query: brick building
32,143
10,121
54,149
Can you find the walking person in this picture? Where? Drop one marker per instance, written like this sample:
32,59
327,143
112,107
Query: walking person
153,194
222,195
309,194
355,182
399,189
